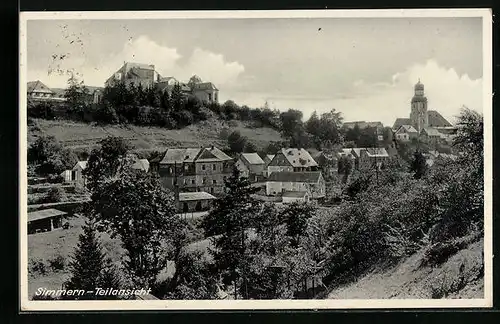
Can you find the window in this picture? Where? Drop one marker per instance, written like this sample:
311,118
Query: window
185,181
204,180
211,189
216,97
192,181
171,170
203,167
214,181
209,97
73,175
214,167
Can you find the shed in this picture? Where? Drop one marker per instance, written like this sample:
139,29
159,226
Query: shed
294,196
45,220
195,201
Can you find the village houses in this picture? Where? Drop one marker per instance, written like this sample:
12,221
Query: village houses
369,158
193,169
251,166
312,182
292,160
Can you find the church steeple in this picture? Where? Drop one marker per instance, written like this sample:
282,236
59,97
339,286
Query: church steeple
418,115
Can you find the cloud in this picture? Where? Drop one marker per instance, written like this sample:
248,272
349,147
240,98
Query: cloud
208,65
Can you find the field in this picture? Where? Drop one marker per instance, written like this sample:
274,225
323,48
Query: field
83,136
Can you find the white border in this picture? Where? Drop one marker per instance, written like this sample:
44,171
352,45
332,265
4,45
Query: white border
27,305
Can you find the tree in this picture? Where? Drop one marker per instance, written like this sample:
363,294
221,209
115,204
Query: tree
166,103
418,165
49,156
353,134
227,223
136,208
237,143
329,127
291,123
153,97
296,215
250,147
87,263
177,98
106,161
76,94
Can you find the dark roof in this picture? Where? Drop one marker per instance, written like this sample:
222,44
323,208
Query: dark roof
180,155
400,122
204,86
437,120
38,86
310,177
213,154
45,213
431,131
294,194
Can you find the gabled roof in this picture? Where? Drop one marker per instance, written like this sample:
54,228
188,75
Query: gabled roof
270,156
200,195
376,152
401,121
298,157
309,177
174,155
38,86
141,66
431,131
204,86
45,213
81,164
406,129
436,119
294,194
217,153
252,158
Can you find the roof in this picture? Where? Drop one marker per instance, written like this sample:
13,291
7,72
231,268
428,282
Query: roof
213,154
310,177
204,86
294,194
200,195
431,131
436,119
142,66
376,152
252,158
45,213
142,164
407,129
298,157
38,86
400,122
270,156
180,155
81,164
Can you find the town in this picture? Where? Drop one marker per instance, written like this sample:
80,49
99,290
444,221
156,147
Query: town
321,165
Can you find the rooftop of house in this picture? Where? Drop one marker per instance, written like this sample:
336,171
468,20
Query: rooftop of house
45,213
294,194
400,122
252,158
431,131
376,152
437,120
174,155
298,157
38,86
213,153
309,177
406,129
81,164
204,86
199,195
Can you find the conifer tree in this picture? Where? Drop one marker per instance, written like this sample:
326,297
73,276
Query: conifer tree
87,262
418,165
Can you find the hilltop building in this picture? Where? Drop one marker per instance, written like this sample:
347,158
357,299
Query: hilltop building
147,76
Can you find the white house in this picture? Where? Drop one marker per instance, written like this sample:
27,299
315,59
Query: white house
280,182
406,133
295,196
292,160
250,165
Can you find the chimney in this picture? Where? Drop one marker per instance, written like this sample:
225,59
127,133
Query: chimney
212,147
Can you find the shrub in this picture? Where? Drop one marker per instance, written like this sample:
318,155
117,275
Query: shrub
54,195
57,263
55,178
37,267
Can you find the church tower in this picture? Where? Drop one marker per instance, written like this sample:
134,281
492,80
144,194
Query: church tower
418,115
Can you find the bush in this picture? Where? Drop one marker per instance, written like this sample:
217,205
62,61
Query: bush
37,267
57,263
54,195
55,178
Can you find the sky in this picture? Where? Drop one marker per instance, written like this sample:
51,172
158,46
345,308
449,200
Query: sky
365,68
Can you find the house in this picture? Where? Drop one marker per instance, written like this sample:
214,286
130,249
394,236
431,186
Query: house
367,158
45,220
406,133
327,162
267,159
134,73
448,133
75,175
295,196
195,169
250,165
38,90
286,181
431,135
194,201
292,160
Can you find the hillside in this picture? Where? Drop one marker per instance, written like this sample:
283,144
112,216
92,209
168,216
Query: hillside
81,135
461,276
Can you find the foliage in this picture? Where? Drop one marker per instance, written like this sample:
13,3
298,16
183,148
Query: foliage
295,216
237,143
136,208
76,94
49,156
418,165
55,194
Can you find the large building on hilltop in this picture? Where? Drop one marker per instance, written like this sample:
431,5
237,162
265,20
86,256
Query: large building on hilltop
147,76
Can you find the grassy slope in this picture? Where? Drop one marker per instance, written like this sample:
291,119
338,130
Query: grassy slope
408,280
81,135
